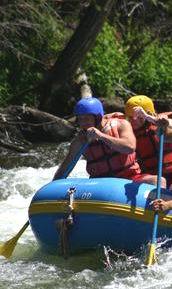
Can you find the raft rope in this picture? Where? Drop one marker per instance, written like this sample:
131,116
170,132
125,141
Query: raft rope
66,223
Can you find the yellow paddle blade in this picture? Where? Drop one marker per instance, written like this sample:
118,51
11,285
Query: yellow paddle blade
152,255
7,248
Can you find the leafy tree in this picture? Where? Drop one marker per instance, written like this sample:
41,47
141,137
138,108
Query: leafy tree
152,72
133,51
57,83
107,63
31,36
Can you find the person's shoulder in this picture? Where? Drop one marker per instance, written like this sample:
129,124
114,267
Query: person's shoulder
80,137
77,142
124,122
124,125
113,115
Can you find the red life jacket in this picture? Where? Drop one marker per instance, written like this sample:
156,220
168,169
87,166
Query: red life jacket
147,150
103,161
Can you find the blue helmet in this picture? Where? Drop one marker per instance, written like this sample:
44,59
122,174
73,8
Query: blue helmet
89,105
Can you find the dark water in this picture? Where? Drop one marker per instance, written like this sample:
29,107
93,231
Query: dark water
40,155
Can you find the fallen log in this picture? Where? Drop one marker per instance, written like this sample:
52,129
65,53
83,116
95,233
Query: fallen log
37,126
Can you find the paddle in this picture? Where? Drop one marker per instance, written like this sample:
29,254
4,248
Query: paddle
152,254
74,161
7,248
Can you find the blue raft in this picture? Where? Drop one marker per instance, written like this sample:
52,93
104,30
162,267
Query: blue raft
106,211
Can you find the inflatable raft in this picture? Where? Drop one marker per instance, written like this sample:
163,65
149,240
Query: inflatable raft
81,214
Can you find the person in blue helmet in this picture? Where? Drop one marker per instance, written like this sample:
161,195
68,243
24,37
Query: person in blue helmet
112,144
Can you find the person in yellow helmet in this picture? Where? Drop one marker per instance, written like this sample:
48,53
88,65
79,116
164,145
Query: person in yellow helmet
139,101
140,111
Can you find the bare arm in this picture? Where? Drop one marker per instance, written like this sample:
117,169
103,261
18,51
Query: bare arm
74,148
168,132
126,143
161,121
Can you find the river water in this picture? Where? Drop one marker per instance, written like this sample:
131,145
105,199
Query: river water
30,268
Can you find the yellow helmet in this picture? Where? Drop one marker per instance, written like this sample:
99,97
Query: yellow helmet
139,100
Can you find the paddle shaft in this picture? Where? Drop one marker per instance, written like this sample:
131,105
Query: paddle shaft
74,161
158,192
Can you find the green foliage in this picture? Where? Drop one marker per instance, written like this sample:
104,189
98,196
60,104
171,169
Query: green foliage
152,72
32,35
106,64
5,97
124,58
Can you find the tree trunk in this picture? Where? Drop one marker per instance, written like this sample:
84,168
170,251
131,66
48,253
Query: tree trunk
38,125
55,87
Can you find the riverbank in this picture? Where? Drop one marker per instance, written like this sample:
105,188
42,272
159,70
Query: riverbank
29,137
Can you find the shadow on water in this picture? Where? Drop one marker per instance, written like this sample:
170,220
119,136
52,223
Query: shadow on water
93,260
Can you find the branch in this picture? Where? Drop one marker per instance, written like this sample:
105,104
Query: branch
13,146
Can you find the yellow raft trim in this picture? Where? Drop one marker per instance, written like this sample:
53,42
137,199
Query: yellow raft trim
95,207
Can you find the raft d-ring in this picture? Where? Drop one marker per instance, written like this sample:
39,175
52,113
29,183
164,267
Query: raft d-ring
71,192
